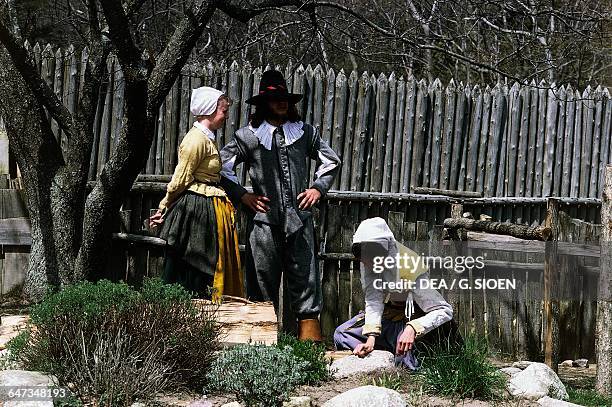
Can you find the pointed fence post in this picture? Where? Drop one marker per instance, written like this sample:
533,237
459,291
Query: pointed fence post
551,288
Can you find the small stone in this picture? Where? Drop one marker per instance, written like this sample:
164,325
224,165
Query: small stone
568,362
581,363
232,404
535,382
550,402
510,371
352,365
367,396
302,401
138,404
200,403
522,364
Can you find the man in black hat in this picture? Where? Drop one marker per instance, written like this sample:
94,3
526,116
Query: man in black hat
276,147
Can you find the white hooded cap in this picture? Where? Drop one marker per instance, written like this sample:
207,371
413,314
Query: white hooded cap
376,230
204,101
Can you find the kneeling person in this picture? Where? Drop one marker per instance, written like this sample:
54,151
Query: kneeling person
403,321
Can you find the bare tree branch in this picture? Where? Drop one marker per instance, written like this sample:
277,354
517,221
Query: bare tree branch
177,52
120,34
25,66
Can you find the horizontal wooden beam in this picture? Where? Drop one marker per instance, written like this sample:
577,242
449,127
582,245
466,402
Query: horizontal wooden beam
15,232
140,239
447,192
157,183
499,228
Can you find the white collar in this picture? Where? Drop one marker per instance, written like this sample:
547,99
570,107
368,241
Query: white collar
292,131
205,130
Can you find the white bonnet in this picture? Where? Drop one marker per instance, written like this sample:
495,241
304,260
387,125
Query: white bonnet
374,230
204,101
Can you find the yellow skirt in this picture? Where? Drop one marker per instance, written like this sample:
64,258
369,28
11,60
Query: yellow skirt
228,278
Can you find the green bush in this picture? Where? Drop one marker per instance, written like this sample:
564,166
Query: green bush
18,343
317,370
117,344
258,375
462,371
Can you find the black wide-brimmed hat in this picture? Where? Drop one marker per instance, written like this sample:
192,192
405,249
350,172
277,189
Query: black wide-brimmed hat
273,85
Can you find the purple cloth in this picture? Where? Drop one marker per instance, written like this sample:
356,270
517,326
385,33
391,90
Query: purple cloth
348,336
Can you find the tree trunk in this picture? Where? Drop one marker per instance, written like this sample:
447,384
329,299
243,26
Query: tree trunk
603,381
54,185
39,158
115,181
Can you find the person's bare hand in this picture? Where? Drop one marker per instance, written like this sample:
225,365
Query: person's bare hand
405,340
257,203
308,198
156,219
363,349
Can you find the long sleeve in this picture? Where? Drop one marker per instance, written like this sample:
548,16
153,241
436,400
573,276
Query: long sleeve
232,155
328,164
189,157
437,310
374,303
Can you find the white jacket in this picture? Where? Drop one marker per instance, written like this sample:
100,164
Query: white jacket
437,310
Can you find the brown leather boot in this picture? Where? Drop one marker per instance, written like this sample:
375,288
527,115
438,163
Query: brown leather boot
309,329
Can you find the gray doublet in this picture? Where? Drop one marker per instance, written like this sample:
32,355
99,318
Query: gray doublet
281,239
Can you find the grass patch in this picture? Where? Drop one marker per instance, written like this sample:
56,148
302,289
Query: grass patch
462,372
588,397
390,380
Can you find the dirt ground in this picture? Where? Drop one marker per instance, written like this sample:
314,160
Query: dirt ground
320,394
575,377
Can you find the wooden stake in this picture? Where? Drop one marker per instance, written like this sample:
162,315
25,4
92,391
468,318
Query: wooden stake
551,284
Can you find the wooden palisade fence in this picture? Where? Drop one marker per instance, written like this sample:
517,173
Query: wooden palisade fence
512,144
393,133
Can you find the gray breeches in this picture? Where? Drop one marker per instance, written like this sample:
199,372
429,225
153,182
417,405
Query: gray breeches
270,254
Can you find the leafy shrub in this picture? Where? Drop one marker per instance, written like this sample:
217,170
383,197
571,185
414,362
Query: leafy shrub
18,343
258,375
317,370
462,372
117,344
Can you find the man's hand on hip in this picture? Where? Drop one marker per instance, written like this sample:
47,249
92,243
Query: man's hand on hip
308,198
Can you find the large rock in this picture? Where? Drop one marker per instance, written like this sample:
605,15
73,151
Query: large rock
351,365
580,363
522,364
537,381
367,396
510,371
24,379
550,402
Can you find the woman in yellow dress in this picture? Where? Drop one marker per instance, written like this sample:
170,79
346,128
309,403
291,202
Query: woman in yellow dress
196,217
